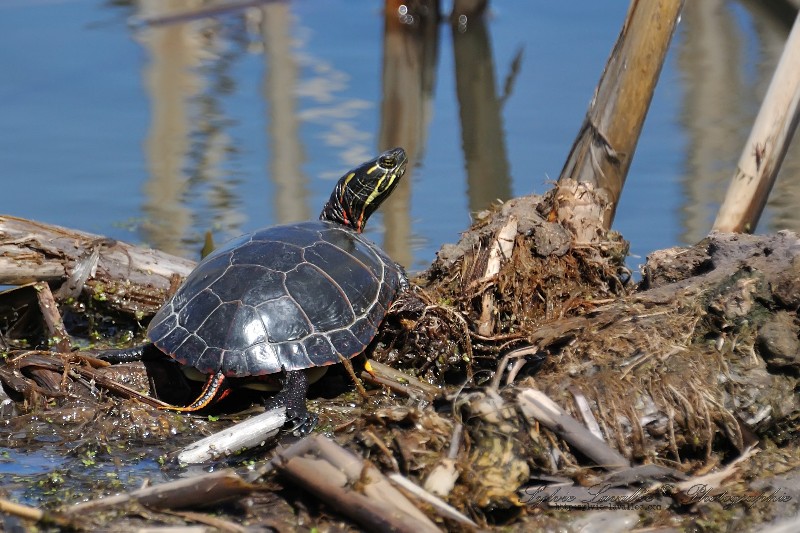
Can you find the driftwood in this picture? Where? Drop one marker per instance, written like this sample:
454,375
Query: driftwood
130,279
202,490
249,433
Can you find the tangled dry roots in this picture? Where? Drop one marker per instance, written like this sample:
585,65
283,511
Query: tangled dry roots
462,315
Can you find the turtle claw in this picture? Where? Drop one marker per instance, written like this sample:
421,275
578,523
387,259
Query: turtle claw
300,424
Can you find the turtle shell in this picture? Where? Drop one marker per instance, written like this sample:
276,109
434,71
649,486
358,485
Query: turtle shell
282,298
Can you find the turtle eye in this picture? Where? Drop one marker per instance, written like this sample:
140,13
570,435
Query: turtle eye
387,161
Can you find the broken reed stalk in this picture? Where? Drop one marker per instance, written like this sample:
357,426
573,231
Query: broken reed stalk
350,485
537,406
501,249
443,508
592,178
56,330
202,490
765,148
400,382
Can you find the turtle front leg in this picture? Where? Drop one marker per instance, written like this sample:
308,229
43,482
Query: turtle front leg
293,396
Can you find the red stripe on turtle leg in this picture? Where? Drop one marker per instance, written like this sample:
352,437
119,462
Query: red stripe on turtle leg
215,389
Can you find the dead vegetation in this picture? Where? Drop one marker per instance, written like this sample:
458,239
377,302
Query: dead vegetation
582,380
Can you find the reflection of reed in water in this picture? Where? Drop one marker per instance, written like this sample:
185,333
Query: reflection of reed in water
482,135
170,79
186,145
280,79
722,96
410,46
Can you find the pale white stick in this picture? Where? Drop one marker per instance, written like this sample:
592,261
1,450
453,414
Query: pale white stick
246,434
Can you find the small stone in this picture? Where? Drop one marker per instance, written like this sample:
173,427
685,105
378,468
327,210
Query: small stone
777,342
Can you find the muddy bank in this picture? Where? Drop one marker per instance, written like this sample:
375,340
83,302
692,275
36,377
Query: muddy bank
675,398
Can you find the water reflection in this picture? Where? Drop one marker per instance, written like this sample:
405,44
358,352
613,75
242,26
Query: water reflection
170,80
280,80
410,52
187,146
726,52
482,135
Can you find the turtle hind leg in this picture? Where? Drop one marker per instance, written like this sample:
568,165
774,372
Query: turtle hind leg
215,389
293,396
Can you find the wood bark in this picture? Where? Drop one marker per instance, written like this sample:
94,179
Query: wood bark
130,279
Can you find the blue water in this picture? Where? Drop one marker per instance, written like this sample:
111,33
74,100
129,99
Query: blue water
47,477
89,138
28,462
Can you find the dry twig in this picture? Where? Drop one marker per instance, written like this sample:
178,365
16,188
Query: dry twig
535,405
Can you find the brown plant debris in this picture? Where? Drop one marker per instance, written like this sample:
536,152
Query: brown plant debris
676,378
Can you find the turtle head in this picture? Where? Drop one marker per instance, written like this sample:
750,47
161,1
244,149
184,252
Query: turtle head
359,193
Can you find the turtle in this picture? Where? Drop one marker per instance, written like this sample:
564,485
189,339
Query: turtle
284,300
